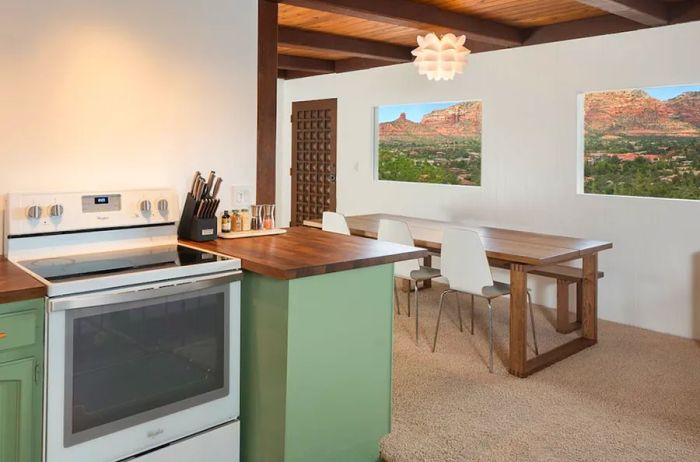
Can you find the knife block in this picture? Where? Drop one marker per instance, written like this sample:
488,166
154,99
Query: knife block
195,228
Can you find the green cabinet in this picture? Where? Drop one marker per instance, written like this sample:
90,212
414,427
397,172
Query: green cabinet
16,413
21,380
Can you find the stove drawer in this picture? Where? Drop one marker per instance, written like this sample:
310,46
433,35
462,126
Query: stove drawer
18,330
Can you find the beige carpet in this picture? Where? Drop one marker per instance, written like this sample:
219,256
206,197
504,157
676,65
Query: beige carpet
635,396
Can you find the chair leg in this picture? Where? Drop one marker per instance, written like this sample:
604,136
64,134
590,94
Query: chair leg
459,310
408,297
396,296
472,315
532,323
490,337
437,325
416,291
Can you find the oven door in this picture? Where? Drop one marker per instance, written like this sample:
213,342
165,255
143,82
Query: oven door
131,369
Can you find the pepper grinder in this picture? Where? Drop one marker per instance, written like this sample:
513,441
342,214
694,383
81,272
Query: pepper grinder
256,217
268,216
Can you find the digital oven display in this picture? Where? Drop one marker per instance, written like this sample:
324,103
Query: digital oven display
102,203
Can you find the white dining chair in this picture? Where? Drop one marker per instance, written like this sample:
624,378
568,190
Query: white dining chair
464,263
410,270
335,223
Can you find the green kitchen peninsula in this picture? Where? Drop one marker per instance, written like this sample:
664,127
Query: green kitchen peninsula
316,344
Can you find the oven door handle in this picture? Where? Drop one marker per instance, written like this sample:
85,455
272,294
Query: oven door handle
143,292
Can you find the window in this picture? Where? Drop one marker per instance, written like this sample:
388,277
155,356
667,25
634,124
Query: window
430,143
642,142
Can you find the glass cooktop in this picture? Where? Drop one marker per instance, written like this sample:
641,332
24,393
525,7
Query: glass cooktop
76,267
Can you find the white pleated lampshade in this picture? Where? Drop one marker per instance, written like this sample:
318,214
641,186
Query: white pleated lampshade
440,59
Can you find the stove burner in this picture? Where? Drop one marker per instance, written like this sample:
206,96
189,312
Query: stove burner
57,261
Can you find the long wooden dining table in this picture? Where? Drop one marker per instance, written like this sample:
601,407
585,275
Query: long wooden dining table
521,253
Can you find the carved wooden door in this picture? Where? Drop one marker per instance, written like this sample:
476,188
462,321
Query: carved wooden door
313,171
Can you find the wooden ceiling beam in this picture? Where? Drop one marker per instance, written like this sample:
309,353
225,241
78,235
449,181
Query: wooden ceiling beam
321,41
647,12
300,63
291,75
686,11
358,64
412,14
342,65
601,25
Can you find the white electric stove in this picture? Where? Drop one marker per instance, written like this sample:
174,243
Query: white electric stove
142,344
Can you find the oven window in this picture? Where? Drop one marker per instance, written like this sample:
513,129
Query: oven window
143,360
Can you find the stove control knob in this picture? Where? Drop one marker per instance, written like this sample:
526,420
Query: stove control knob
56,211
145,206
34,212
163,205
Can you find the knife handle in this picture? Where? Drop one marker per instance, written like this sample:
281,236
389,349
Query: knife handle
217,185
195,180
205,212
210,181
200,188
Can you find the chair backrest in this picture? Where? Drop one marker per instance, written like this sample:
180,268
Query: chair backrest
398,233
335,223
463,261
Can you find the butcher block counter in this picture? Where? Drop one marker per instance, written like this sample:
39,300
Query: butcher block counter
16,285
303,251
316,344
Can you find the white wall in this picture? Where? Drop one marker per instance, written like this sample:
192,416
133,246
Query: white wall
530,161
126,94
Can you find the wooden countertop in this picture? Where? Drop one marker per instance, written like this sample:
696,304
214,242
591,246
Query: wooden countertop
16,285
304,251
504,245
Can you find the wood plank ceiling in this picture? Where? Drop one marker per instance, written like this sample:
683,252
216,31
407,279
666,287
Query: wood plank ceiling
327,36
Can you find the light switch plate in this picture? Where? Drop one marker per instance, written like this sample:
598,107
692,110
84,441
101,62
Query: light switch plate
241,196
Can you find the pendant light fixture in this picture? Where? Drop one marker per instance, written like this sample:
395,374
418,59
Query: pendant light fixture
440,58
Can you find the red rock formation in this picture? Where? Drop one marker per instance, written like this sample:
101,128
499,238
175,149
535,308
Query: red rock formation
635,113
686,107
459,120
403,129
463,119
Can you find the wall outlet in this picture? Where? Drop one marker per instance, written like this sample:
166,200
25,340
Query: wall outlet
241,197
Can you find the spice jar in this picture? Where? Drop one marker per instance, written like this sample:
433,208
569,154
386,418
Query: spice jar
236,224
225,222
245,220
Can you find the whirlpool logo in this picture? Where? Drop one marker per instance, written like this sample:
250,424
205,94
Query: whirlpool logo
154,433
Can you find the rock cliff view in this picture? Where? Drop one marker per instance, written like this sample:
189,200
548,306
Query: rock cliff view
431,143
643,142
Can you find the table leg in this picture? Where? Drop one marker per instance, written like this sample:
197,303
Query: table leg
563,326
428,261
562,305
579,302
518,320
589,297
522,367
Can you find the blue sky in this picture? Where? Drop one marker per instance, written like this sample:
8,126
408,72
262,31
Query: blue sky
414,112
664,93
